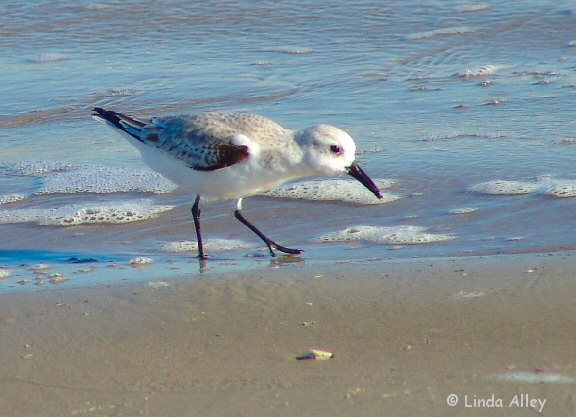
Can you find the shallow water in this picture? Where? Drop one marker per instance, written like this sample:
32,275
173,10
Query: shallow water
445,100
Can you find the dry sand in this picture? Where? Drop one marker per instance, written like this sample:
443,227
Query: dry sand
405,335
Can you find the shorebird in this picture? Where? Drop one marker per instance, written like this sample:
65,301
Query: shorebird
235,155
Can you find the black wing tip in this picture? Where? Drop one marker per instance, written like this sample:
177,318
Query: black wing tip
107,115
99,111
117,119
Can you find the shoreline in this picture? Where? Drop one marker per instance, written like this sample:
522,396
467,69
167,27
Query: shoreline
405,334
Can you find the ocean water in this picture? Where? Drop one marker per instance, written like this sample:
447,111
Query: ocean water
463,111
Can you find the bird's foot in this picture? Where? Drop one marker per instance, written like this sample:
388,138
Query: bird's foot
283,249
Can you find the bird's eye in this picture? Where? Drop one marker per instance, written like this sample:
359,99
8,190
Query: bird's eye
335,149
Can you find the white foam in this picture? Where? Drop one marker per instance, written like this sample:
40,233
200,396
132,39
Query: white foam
101,179
118,92
50,57
140,261
34,168
453,135
472,8
41,268
483,71
556,187
463,210
532,377
439,32
211,245
61,177
114,212
473,294
57,278
4,273
159,284
97,7
12,198
504,187
350,191
392,235
290,50
561,188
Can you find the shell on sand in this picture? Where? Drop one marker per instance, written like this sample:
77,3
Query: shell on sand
317,354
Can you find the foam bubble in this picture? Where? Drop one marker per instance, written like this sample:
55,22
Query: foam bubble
97,7
12,198
439,32
473,294
561,188
290,50
34,168
61,177
482,71
50,57
349,191
159,284
101,179
40,268
463,210
114,212
565,141
471,8
211,245
556,187
393,235
117,92
533,377
57,278
453,135
140,261
4,273
504,187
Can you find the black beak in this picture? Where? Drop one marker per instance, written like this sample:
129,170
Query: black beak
366,181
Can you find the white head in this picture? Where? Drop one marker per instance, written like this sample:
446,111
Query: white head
330,151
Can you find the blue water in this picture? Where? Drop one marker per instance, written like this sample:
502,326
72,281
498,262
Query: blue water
439,96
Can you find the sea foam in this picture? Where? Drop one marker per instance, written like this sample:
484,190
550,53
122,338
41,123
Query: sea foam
439,32
101,179
483,71
387,235
86,213
61,177
505,187
555,187
349,191
211,245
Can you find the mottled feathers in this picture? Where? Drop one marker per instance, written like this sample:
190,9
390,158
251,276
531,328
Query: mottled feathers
204,142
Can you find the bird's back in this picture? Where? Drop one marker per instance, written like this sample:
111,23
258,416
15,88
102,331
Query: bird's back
243,153
210,141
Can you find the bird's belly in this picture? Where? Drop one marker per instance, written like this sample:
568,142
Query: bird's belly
240,180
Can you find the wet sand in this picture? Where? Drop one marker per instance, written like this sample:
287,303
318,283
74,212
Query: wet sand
499,332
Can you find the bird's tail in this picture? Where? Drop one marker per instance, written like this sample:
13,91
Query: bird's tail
120,121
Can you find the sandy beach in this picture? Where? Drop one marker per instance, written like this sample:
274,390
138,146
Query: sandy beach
497,332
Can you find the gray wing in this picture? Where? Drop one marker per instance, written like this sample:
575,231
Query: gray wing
202,142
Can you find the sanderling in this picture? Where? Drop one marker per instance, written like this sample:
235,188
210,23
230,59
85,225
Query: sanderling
235,155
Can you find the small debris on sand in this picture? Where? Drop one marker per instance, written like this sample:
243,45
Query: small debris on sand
317,354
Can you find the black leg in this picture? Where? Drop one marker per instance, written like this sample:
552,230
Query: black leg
196,216
270,243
